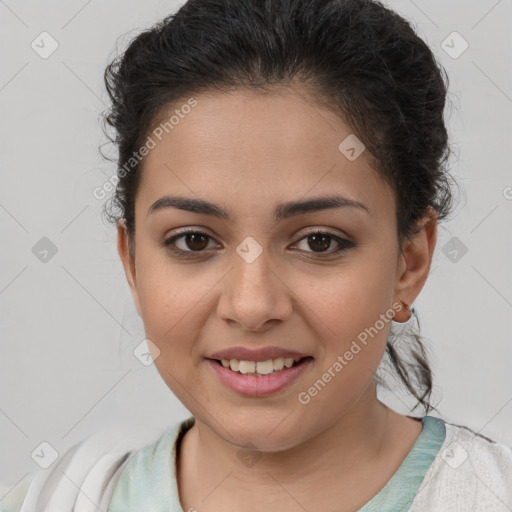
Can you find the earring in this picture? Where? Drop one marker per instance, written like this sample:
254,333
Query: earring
409,309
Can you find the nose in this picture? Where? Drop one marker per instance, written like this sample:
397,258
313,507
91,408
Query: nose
254,297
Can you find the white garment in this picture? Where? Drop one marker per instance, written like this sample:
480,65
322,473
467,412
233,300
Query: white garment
470,473
83,478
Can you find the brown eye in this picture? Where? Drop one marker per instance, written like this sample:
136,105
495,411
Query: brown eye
320,242
188,242
196,241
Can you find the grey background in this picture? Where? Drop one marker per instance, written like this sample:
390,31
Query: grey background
69,326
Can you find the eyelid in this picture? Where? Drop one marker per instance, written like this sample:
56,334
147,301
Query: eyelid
343,242
171,240
323,230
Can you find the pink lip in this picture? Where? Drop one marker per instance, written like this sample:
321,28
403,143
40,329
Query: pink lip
251,385
255,354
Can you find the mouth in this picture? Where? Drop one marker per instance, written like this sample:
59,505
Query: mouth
260,368
259,378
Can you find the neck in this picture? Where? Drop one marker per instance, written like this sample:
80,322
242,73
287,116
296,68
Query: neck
344,455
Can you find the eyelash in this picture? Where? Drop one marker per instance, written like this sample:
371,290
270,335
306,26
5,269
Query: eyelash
344,244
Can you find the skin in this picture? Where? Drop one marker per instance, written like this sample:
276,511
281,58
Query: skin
248,151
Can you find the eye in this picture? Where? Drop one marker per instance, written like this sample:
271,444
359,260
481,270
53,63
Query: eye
320,241
188,242
194,240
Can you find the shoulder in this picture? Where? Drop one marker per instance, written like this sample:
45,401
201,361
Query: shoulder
149,481
84,476
470,472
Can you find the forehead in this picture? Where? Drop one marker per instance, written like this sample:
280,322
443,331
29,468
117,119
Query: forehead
255,147
285,124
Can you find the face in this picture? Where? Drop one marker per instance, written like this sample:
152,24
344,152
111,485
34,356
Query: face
255,279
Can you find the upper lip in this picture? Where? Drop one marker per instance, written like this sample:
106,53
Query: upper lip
256,354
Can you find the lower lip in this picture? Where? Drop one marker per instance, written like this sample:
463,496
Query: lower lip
251,385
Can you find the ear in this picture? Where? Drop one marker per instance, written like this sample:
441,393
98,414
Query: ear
414,262
123,248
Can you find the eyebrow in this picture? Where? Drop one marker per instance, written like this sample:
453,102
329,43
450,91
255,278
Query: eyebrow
281,212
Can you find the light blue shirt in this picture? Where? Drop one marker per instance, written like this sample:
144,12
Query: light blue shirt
148,482
398,494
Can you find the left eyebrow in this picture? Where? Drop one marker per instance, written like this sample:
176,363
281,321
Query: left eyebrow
281,212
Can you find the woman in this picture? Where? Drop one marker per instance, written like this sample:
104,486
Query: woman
282,172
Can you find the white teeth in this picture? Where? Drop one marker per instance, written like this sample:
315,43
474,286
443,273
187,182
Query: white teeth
260,367
265,367
247,367
278,363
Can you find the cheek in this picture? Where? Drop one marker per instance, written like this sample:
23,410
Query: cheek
351,314
169,302
353,338
175,306
353,296
173,313
354,326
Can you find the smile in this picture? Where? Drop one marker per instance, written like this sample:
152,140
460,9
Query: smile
269,367
259,378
